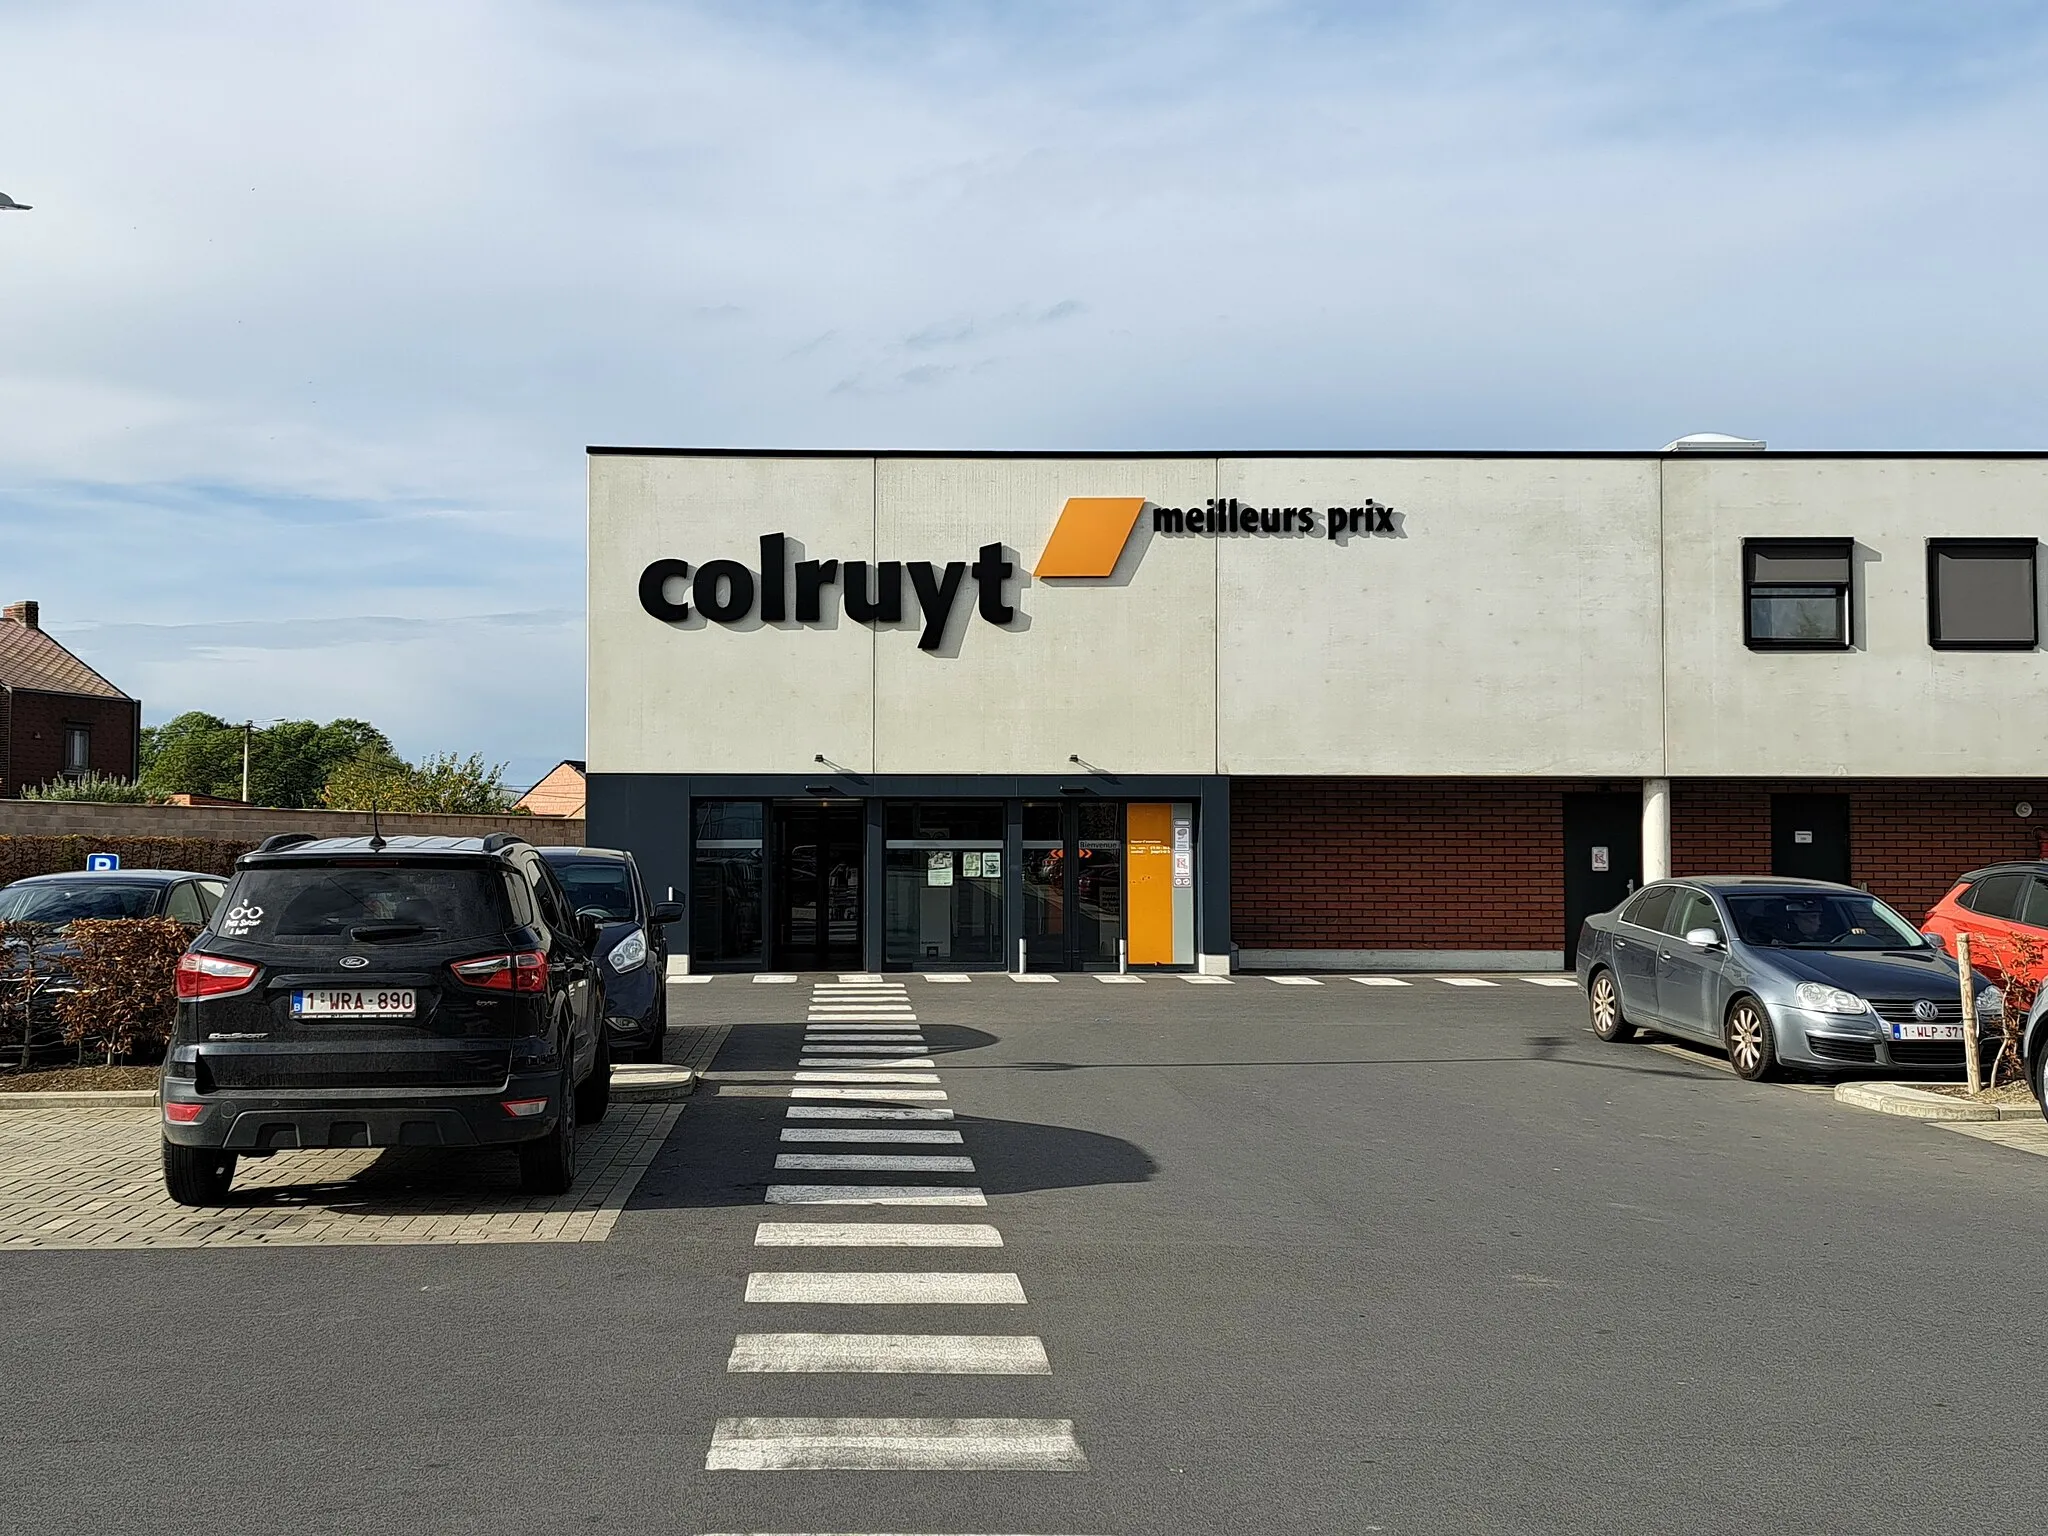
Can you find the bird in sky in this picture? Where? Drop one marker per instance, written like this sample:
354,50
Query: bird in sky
9,205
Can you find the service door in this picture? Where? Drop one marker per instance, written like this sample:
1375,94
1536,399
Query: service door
1603,858
1810,837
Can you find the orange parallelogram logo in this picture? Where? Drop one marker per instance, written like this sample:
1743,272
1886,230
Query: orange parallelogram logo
1090,536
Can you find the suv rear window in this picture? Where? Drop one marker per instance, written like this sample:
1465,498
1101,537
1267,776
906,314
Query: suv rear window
312,904
60,901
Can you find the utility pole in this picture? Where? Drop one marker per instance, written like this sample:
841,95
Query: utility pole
248,730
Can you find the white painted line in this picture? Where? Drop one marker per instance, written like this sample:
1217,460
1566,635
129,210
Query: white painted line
889,1045
852,1028
873,1134
895,1354
1033,976
867,1077
853,1112
1382,981
1466,981
864,1014
879,1095
1294,981
1206,981
773,981
1550,981
859,994
836,1005
873,977
894,1445
871,1162
872,1194
862,1061
1121,981
875,1234
946,976
689,981
885,1288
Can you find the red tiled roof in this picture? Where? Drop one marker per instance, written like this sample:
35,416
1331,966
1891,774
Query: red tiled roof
30,659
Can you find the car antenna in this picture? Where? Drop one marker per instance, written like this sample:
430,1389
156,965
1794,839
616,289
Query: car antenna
376,827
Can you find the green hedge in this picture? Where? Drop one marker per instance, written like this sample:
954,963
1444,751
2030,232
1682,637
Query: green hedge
24,856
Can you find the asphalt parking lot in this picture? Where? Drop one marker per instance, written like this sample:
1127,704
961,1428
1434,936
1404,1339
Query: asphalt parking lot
1202,1258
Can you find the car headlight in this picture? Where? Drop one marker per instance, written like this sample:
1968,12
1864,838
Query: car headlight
1990,1003
630,953
1826,999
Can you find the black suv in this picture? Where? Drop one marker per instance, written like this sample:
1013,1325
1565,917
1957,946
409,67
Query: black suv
364,992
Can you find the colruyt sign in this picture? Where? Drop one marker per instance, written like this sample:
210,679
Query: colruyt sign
1087,541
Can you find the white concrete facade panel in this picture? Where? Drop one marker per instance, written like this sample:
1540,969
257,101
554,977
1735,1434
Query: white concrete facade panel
738,698
1890,707
1508,626
1119,670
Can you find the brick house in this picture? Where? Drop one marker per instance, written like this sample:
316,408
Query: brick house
58,717
560,793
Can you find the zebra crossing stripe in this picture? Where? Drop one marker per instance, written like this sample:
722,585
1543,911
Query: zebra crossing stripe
885,1288
875,1234
860,1061
871,1162
894,1445
849,1112
870,1134
879,1095
867,1077
873,1194
901,1354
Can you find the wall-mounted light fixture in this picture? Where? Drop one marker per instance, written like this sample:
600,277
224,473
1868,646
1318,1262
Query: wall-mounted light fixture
1075,757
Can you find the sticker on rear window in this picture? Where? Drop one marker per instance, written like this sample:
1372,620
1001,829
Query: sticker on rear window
238,920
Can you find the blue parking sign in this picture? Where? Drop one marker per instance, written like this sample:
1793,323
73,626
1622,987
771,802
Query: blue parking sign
102,861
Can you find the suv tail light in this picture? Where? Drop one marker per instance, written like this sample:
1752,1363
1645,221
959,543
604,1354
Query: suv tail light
526,971
212,976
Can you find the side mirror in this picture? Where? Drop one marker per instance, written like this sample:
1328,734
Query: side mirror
586,926
666,912
1703,938
1934,939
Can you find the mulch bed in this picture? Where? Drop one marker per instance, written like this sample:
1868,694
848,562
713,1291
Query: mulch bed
2004,1093
78,1080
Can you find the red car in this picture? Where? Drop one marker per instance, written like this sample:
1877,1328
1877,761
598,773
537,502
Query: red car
2004,910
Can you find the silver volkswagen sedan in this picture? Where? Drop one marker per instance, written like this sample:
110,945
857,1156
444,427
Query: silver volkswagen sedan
1776,970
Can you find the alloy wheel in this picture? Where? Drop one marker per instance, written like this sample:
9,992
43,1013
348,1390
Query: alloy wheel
1606,1006
1748,1039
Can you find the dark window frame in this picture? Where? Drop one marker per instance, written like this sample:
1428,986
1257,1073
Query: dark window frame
1843,549
78,730
2030,549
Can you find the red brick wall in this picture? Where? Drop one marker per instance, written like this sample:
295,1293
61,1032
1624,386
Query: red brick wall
1908,838
1479,863
1398,863
36,736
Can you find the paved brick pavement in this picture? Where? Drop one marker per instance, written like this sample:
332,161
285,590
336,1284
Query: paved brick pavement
72,1178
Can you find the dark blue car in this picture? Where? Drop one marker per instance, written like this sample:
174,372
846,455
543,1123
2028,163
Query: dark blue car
632,944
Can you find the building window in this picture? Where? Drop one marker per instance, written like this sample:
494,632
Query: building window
77,749
1796,594
1981,595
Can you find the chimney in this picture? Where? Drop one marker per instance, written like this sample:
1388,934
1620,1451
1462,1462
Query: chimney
24,612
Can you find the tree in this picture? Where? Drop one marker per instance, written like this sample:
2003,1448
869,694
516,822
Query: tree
290,761
443,783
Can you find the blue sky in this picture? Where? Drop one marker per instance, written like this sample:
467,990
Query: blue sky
320,304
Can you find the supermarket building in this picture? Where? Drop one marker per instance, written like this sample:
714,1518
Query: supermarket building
1293,710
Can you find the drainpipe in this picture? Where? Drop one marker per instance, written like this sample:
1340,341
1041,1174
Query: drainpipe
1656,829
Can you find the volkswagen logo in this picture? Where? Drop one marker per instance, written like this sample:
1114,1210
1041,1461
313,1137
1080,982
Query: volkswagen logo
1924,1010
357,962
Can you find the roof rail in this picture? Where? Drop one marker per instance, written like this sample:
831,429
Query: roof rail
496,842
278,840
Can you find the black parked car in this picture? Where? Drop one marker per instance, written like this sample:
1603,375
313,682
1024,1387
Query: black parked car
34,966
359,992
632,943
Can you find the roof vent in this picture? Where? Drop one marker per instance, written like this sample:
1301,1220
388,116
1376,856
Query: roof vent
1713,442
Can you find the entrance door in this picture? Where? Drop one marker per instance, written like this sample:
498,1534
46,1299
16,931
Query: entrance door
1810,837
1603,858
1073,885
818,853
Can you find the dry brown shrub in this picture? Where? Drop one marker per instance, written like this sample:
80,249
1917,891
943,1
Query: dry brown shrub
127,974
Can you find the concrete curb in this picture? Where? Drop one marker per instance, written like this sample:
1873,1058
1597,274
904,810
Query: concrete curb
1919,1104
651,1083
101,1098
